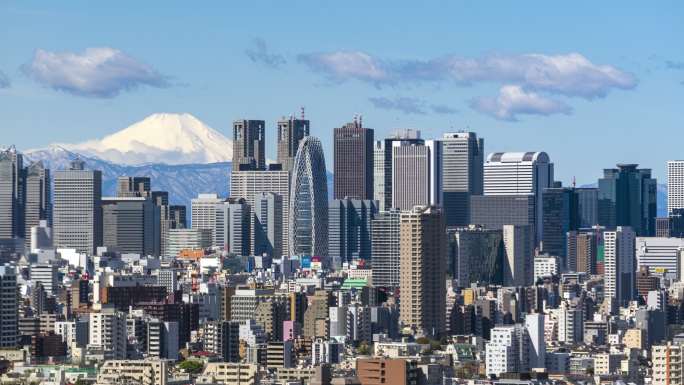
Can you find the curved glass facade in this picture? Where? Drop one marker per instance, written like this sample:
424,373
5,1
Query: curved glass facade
309,201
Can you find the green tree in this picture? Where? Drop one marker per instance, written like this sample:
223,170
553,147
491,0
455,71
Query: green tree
191,366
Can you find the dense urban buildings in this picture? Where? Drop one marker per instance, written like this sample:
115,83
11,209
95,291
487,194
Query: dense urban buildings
430,264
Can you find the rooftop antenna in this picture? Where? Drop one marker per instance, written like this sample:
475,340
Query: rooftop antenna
574,182
360,120
301,109
356,118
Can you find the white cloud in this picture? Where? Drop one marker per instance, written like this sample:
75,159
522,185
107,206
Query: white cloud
96,72
343,65
569,74
514,100
4,80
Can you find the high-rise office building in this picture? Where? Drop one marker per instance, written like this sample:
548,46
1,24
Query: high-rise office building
77,211
627,197
462,170
385,230
587,206
477,256
9,307
38,206
619,259
308,211
382,164
519,259
675,185
268,224
493,211
353,161
178,216
422,277
232,227
416,174
249,140
291,131
159,198
133,186
250,184
187,239
203,212
349,234
559,215
520,173
131,225
11,194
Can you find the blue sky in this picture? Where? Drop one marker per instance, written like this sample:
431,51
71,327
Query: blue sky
592,83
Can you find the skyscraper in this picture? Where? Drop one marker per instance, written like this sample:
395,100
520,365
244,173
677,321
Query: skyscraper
627,197
416,174
268,224
675,185
619,260
519,260
249,184
353,162
582,251
131,225
11,194
519,173
587,206
477,256
291,131
493,212
423,270
462,169
349,234
9,307
38,206
382,164
385,230
77,211
249,139
203,213
133,186
308,210
559,216
232,226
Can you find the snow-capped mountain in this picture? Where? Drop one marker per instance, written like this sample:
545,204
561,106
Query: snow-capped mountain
183,182
160,138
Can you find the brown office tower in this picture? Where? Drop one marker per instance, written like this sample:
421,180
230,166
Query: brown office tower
249,139
646,282
582,252
290,132
422,276
353,161
388,371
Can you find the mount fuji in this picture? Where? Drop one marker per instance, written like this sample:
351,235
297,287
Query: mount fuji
178,152
160,138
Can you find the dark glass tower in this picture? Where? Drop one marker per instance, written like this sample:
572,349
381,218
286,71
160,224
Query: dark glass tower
249,140
627,197
353,162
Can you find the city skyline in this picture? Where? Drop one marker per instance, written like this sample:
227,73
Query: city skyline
610,94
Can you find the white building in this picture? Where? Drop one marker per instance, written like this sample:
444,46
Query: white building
519,173
507,350
619,276
108,334
545,266
46,275
187,239
662,256
675,185
203,212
